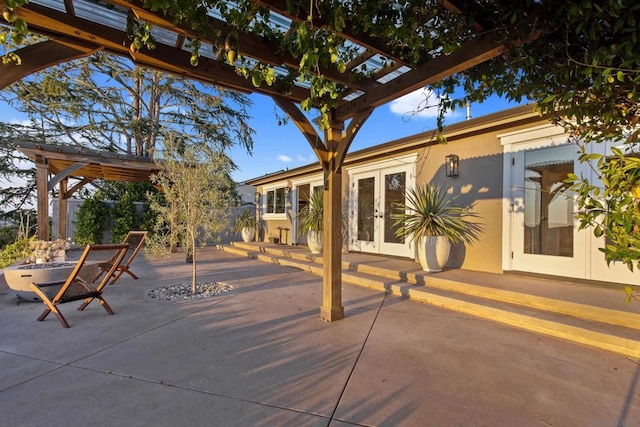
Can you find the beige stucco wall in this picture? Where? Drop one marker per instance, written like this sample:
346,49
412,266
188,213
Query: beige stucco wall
270,230
480,180
480,184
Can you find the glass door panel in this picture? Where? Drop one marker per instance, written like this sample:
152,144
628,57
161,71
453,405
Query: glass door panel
363,210
394,193
548,202
545,233
372,199
366,209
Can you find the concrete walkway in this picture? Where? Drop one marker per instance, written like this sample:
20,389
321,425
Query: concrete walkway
260,355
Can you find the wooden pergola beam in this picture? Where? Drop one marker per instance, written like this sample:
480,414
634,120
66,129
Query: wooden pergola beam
40,56
42,205
305,127
64,174
248,45
471,53
73,32
370,43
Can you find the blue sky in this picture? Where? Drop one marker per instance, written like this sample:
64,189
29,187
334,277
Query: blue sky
280,147
283,147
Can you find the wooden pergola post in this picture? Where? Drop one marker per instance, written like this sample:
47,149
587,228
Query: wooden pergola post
62,209
331,154
332,308
42,176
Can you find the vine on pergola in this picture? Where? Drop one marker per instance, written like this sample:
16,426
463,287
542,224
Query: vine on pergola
411,31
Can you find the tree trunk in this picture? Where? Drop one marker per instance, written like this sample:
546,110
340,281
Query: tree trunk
137,111
154,113
193,265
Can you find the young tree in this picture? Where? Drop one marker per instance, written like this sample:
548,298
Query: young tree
198,192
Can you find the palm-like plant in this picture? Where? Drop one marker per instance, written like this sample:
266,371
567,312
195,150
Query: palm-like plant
428,212
246,220
311,216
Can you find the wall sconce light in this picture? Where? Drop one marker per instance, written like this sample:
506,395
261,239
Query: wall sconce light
257,197
287,192
451,165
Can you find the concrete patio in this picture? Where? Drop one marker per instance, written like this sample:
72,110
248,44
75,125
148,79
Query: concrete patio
260,355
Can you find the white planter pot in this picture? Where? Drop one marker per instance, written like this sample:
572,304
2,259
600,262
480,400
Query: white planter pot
248,234
433,252
314,241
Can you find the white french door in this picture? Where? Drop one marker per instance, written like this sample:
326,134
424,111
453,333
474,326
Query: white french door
373,195
543,231
545,237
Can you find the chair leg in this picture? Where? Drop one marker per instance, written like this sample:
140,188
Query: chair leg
105,305
85,304
116,276
131,274
52,308
44,314
61,318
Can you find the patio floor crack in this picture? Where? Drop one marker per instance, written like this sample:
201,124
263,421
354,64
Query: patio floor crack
355,364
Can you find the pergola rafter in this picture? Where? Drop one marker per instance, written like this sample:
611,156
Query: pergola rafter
376,69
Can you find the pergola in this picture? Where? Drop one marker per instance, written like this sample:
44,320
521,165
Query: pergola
55,164
77,28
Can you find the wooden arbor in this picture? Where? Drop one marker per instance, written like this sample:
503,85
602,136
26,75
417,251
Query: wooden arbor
64,162
378,68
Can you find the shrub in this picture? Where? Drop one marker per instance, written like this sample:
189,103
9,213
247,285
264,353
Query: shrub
124,217
8,235
15,251
91,221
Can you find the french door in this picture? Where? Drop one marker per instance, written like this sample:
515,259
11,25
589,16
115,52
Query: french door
545,237
373,195
544,228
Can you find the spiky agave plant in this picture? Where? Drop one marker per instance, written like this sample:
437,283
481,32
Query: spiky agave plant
428,212
311,216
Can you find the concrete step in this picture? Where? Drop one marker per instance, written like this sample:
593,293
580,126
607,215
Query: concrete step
599,314
597,327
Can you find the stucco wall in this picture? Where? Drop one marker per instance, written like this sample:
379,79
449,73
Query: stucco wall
479,183
480,180
270,230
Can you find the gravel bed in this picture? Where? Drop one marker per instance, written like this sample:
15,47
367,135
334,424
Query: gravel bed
183,291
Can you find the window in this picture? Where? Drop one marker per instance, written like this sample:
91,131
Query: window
275,201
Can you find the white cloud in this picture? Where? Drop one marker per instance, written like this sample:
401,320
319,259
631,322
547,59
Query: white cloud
310,159
423,100
284,158
20,122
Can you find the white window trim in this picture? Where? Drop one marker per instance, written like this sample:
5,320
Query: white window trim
263,202
384,164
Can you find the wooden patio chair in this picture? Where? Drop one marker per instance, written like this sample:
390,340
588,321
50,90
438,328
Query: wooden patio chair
85,282
135,240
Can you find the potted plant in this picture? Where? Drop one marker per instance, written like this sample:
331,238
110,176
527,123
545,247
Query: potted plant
274,239
434,222
246,224
310,221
